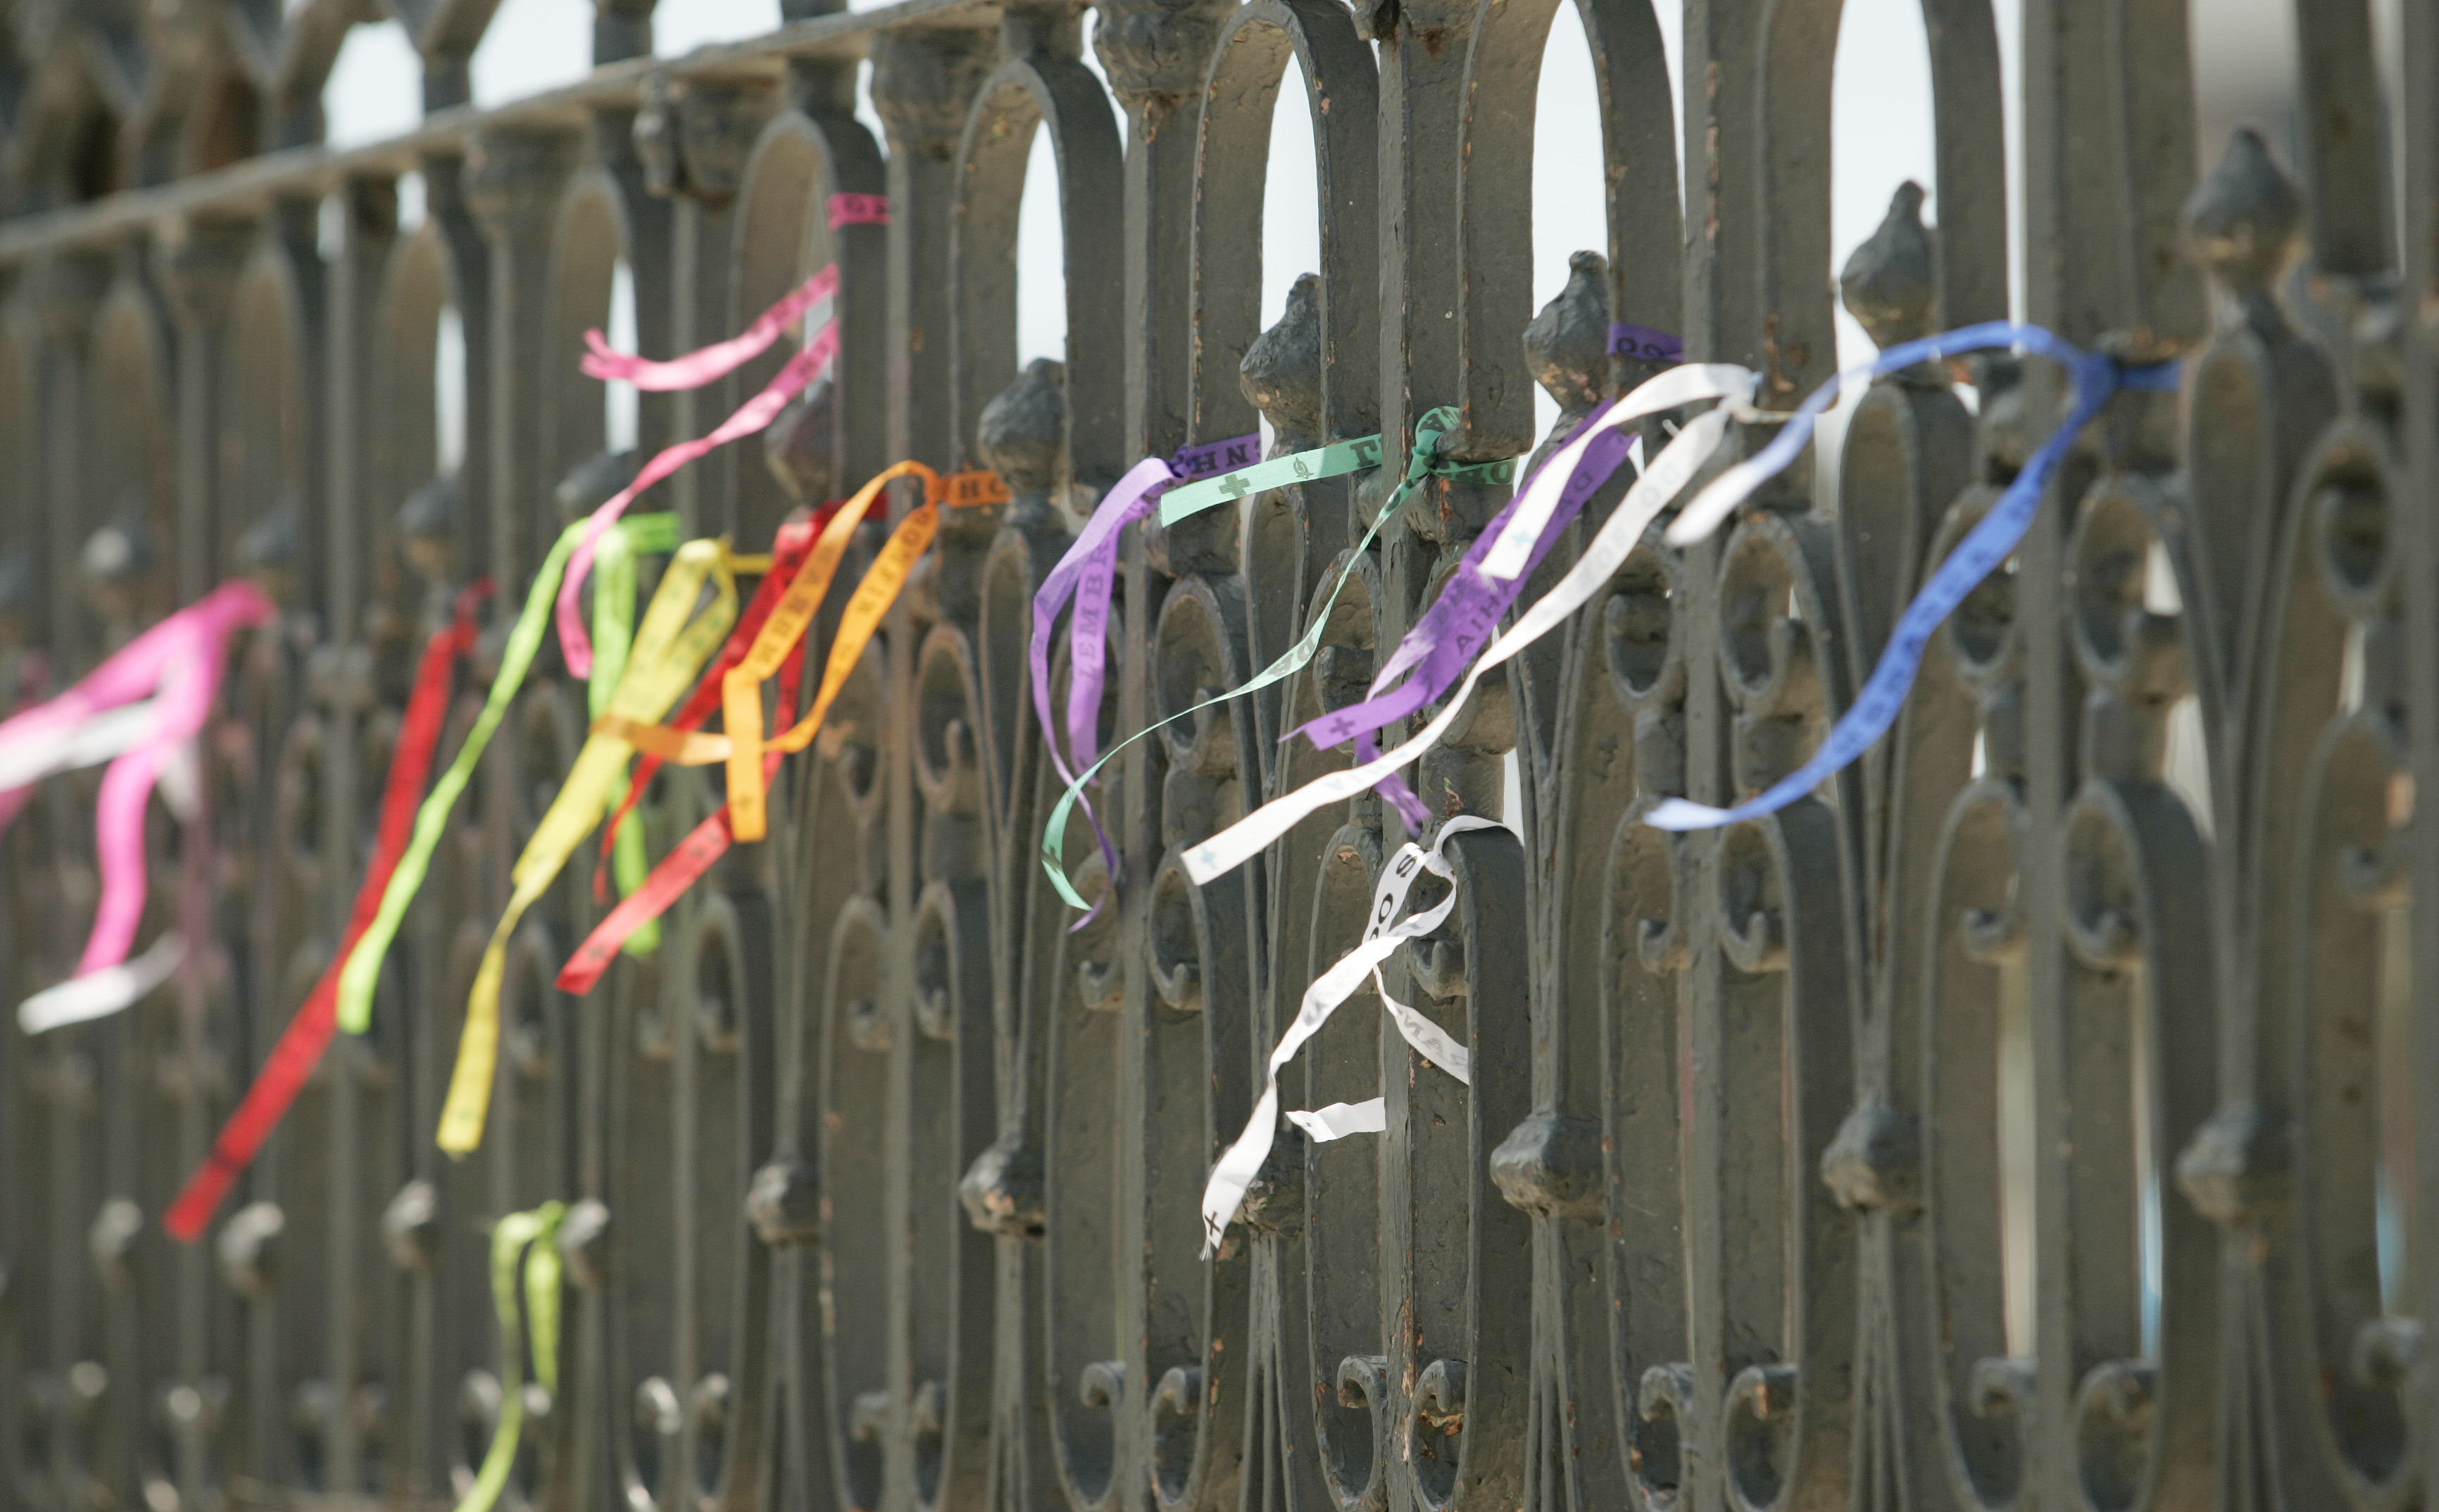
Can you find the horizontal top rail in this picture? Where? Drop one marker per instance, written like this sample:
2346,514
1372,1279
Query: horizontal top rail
297,171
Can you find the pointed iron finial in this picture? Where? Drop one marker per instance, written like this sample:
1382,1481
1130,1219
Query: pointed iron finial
797,445
1022,430
1567,344
2240,222
1887,284
1281,373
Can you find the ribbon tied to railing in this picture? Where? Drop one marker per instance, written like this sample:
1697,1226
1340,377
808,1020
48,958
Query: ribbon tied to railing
750,757
1151,478
1511,552
1385,928
672,645
148,741
1086,575
813,303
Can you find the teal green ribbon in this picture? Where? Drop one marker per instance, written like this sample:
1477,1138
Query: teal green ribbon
1337,458
1423,463
645,533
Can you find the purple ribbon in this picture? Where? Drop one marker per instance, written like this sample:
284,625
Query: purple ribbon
1627,339
1443,643
1215,457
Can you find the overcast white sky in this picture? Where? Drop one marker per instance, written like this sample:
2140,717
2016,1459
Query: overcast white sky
1882,127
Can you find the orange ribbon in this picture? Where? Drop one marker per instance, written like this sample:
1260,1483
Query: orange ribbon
743,744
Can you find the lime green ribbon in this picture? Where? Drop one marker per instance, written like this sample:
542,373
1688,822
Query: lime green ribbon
1309,466
613,615
1420,465
533,1233
362,975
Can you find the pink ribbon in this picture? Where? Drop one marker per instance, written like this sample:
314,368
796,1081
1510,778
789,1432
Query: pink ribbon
858,209
753,415
178,663
720,358
695,370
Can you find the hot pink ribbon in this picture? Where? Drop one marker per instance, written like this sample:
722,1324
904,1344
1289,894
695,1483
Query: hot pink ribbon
751,415
693,370
720,358
178,663
859,209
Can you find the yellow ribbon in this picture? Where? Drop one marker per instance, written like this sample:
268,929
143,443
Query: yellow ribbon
742,745
672,647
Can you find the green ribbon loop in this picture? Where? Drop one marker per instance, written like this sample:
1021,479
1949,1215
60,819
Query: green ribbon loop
534,1233
1329,461
362,975
614,639
1423,462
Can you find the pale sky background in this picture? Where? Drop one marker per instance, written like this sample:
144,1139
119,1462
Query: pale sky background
1881,126
1882,134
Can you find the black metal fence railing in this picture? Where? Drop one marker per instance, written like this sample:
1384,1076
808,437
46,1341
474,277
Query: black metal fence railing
2037,1115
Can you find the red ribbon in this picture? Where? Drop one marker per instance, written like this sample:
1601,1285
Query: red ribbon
709,840
787,552
293,1059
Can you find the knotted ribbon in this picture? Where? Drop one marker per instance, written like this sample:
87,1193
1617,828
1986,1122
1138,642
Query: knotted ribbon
742,743
740,691
813,302
1176,503
787,552
1086,575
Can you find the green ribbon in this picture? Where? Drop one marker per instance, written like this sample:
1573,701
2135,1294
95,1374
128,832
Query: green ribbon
614,638
356,980
533,1233
1422,463
1307,467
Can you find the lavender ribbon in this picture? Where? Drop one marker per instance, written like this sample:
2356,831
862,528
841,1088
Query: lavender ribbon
1087,576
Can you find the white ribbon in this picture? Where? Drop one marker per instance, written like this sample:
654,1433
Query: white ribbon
1618,536
1382,933
35,750
100,994
1689,384
1340,1120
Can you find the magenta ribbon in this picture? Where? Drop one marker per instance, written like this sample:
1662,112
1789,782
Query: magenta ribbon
1088,575
178,662
718,360
858,209
1443,643
807,365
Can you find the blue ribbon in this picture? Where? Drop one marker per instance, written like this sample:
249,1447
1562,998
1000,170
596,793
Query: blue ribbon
2096,378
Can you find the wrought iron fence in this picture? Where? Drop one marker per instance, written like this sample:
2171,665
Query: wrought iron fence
2034,1117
